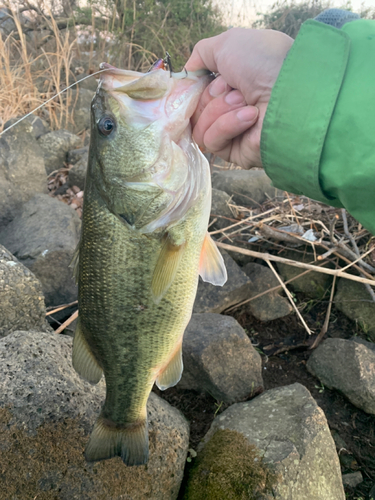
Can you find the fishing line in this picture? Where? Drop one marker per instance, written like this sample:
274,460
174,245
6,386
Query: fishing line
181,75
51,99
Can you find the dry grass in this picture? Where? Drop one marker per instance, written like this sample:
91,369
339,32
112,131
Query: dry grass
30,76
27,79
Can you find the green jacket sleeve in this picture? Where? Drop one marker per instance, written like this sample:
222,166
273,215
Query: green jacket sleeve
318,136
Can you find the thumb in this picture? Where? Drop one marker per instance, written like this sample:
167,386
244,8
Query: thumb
202,56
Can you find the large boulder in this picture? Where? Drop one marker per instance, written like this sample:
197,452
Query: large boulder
44,237
271,305
292,435
220,210
80,106
220,359
353,300
349,367
76,154
313,284
21,297
248,188
230,467
215,299
77,173
55,146
22,172
40,126
46,413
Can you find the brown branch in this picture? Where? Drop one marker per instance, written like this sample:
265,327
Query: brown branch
302,265
67,322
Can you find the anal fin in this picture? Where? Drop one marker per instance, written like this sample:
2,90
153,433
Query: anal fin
83,360
211,264
166,268
171,374
129,441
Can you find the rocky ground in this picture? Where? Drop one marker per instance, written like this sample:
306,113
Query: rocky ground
255,401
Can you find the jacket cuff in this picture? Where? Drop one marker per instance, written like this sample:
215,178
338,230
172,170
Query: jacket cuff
301,107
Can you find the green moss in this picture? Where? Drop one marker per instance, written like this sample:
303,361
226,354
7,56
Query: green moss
229,468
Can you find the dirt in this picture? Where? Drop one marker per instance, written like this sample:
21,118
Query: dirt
352,429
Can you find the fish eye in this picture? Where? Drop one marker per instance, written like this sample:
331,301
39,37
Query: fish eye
106,125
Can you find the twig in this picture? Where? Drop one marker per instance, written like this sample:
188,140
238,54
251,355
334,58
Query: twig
354,245
242,221
67,322
212,222
350,263
60,308
273,289
324,329
280,235
302,265
289,295
359,260
332,229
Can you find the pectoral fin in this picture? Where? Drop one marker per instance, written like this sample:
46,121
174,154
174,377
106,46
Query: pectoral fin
84,361
211,265
166,268
171,374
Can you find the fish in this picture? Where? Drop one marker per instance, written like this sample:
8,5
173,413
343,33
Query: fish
143,245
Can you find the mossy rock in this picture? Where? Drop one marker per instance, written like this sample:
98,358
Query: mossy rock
230,468
353,300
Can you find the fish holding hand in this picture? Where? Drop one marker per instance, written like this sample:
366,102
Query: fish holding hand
143,245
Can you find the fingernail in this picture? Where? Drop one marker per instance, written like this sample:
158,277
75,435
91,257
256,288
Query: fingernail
248,114
218,87
234,97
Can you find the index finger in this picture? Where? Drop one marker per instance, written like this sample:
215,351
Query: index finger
203,56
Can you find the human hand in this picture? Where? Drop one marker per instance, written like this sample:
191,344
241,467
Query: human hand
229,117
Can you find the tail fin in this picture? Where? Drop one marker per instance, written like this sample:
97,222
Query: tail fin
107,440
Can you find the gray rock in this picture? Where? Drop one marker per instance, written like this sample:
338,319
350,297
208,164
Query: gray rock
292,433
248,187
219,207
7,24
81,109
43,237
240,258
22,172
21,297
76,154
46,413
312,284
220,359
214,299
40,127
89,84
353,479
353,300
349,367
77,174
55,146
270,306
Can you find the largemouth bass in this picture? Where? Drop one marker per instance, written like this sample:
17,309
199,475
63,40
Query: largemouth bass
144,242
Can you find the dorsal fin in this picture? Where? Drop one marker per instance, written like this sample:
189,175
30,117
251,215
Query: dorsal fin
211,265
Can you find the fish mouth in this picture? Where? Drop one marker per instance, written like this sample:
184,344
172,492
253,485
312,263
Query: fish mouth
144,86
